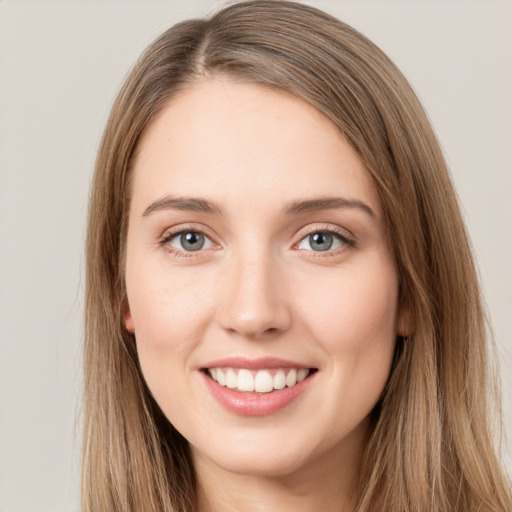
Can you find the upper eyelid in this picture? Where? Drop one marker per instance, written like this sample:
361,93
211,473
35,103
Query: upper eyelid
181,228
326,228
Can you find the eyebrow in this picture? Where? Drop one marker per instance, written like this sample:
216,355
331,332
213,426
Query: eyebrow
191,204
198,204
326,203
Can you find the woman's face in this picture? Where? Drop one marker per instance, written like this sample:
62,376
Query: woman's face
257,254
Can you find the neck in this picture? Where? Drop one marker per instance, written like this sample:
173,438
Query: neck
327,483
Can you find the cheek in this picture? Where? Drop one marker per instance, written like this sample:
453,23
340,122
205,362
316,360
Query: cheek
353,318
168,315
355,308
166,307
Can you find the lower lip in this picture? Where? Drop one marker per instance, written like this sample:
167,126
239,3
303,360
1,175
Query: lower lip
256,404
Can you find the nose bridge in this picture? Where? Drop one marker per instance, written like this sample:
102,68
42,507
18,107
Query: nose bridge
254,303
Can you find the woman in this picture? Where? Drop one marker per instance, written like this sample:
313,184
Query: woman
282,308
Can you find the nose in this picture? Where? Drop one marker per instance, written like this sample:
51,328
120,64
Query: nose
254,303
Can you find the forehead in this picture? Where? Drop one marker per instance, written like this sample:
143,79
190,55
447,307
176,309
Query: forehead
244,140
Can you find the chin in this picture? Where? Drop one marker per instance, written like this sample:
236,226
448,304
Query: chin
258,459
271,467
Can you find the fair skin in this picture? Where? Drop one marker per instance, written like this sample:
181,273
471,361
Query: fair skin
260,271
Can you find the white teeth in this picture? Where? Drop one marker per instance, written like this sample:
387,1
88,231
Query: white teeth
230,378
260,382
291,378
263,382
279,380
302,374
245,381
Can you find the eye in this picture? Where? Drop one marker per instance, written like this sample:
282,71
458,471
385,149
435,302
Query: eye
188,241
321,241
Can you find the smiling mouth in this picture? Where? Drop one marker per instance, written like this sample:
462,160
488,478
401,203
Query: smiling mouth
260,381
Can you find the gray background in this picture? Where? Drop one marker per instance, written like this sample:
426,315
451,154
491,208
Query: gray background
61,64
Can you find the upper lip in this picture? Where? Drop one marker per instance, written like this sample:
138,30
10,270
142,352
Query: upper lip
254,364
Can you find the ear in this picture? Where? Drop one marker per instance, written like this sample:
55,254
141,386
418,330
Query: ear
405,325
128,319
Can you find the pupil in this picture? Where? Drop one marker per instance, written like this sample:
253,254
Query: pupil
192,241
321,241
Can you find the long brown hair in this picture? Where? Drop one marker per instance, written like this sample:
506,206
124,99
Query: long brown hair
431,446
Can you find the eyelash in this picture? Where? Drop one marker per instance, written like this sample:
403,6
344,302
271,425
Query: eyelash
170,235
347,241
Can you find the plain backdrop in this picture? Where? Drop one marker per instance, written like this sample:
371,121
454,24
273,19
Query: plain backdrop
61,64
